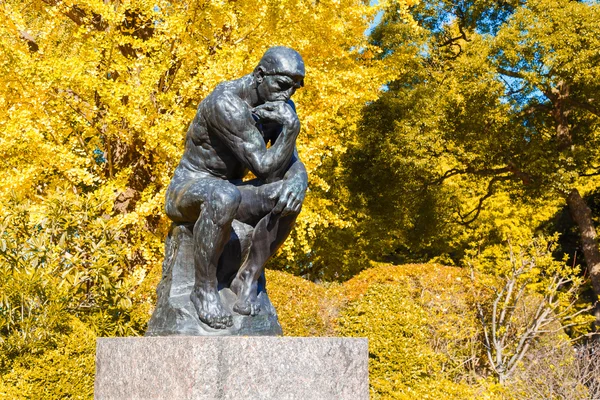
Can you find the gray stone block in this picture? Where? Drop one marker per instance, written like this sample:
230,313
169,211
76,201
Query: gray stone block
249,368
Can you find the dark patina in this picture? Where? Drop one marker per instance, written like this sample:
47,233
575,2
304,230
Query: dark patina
224,228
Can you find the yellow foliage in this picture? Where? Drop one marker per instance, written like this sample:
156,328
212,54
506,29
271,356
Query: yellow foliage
66,372
424,334
104,100
419,323
304,308
418,318
95,99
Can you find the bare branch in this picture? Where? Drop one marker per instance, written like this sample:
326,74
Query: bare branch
511,324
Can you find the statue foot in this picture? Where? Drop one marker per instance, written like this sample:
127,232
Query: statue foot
247,297
209,308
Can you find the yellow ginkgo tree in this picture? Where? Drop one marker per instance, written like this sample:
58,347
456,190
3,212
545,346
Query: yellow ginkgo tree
95,99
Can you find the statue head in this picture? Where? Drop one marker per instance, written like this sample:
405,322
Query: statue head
279,74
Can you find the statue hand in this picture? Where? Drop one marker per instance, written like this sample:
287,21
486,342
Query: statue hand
291,196
276,111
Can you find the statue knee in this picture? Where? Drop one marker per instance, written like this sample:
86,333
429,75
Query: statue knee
224,204
289,215
293,214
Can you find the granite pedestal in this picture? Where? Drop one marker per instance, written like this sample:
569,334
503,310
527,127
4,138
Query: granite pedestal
242,368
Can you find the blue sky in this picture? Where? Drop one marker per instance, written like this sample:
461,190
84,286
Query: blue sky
377,19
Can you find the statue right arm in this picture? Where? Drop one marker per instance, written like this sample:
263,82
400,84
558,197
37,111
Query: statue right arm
231,118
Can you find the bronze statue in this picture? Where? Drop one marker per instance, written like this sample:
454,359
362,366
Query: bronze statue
232,227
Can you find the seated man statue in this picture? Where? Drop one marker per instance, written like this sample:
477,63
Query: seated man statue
227,138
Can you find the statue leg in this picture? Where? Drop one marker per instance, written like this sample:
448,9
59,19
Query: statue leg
217,202
269,234
234,253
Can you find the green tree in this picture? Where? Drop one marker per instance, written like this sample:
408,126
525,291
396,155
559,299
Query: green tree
547,56
492,127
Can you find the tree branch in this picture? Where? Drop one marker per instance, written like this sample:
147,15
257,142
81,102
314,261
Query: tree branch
469,170
597,172
33,46
462,36
477,210
536,107
586,106
80,17
513,74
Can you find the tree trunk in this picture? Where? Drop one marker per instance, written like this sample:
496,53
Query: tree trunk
582,215
561,114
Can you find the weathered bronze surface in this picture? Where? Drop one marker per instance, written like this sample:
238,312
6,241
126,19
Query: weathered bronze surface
224,229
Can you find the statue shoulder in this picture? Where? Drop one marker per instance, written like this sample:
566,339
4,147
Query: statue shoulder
224,108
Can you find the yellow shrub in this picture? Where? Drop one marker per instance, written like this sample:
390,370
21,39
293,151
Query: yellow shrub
303,307
421,328
66,372
402,362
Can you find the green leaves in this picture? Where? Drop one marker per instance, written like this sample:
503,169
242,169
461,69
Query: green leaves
482,132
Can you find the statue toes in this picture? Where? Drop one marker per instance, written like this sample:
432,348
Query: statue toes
227,320
242,308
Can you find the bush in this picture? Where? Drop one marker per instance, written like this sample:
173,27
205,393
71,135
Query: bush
444,293
552,370
417,338
303,307
424,340
65,372
419,319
